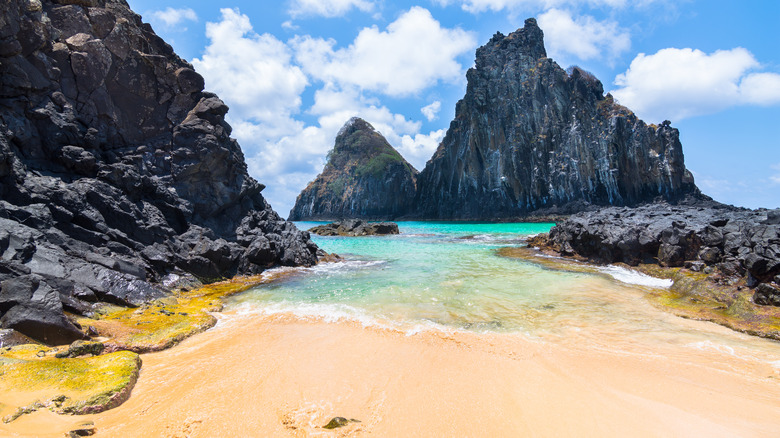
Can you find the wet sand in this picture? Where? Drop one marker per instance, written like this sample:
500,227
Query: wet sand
285,376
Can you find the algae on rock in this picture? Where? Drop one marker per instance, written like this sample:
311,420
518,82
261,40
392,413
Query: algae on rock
80,385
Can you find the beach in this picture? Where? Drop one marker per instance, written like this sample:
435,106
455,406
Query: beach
283,375
436,333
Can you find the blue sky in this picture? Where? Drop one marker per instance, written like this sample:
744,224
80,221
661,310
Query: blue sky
294,71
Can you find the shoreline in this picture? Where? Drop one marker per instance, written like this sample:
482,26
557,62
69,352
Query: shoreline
287,376
290,346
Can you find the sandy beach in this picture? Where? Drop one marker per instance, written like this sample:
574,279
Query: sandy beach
286,376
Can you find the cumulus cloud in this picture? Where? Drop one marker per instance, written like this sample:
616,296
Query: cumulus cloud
413,53
679,83
252,72
431,111
419,148
584,37
261,80
476,6
328,8
170,17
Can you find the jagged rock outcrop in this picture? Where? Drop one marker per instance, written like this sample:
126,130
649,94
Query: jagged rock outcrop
735,243
118,175
364,177
530,137
356,227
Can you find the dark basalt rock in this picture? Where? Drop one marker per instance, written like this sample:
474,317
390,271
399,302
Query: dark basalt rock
337,422
706,236
530,137
356,227
364,178
116,170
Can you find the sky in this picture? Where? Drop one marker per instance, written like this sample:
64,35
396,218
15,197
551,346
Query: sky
294,71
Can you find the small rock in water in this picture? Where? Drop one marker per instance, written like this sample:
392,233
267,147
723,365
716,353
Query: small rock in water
337,422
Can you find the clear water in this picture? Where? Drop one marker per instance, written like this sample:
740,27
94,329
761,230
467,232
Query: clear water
447,276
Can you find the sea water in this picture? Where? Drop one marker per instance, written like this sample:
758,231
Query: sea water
449,276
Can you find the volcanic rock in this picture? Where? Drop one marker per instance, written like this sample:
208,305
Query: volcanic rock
364,178
116,170
736,242
356,227
531,137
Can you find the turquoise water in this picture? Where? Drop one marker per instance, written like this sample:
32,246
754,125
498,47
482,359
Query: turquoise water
432,273
448,276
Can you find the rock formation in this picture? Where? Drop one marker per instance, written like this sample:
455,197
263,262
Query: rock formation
118,175
364,177
530,137
356,227
716,239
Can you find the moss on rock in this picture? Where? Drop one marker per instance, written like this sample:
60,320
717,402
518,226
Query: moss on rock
70,386
164,323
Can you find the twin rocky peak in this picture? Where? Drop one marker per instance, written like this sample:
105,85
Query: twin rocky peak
529,138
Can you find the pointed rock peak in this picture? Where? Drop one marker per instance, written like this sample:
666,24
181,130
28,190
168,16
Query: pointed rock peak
365,177
528,41
359,140
352,125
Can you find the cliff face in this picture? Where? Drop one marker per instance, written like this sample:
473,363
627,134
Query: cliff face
117,171
528,136
364,177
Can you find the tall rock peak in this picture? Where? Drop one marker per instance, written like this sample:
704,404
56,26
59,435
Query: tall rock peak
117,171
364,177
529,136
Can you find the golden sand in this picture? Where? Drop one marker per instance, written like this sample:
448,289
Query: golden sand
285,376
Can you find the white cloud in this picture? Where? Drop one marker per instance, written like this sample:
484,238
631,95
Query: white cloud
584,37
289,25
776,177
261,81
170,17
418,149
477,6
413,53
679,83
431,111
252,72
328,8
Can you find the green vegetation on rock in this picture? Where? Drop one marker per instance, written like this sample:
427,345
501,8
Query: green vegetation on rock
80,385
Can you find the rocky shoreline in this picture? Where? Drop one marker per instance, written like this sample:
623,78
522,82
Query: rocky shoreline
724,261
119,181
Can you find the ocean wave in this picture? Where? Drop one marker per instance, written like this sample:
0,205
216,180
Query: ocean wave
344,265
712,346
630,276
335,313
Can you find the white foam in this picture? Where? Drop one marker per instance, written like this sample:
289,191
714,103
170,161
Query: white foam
334,313
712,346
633,277
326,312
